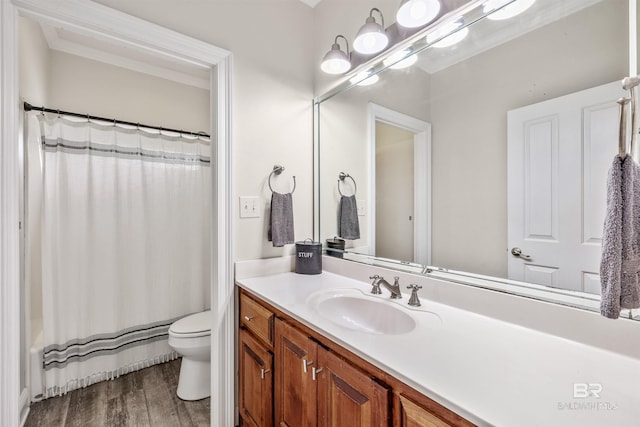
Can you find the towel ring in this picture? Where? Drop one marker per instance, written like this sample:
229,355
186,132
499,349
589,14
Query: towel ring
341,177
277,170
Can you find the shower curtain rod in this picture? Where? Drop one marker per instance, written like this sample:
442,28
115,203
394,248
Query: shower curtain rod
29,107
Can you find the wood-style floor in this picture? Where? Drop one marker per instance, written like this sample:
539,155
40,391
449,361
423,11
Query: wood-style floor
143,398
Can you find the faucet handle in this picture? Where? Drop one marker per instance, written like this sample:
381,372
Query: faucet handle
375,285
414,301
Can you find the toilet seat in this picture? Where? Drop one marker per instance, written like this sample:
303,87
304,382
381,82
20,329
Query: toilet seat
192,326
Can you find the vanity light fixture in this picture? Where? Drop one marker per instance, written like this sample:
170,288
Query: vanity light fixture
396,61
371,37
365,78
336,61
416,13
448,34
505,12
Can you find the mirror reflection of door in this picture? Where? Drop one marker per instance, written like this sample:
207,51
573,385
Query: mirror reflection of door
394,192
559,153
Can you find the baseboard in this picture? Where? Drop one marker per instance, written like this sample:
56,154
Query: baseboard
24,406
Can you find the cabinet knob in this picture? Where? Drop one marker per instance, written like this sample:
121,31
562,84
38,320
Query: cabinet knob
248,318
263,372
315,372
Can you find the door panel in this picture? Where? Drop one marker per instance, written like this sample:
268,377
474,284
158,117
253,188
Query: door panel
348,396
256,382
295,400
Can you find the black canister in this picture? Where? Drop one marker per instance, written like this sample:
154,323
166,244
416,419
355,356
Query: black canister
308,257
337,244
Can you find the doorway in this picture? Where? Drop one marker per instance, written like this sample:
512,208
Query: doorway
394,192
400,174
129,32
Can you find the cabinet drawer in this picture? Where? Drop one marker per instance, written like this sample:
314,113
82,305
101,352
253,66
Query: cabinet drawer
257,319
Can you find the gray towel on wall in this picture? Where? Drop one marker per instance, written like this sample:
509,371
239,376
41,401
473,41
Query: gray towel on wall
280,230
620,263
348,225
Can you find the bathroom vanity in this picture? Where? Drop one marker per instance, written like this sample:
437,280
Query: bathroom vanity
290,374
322,350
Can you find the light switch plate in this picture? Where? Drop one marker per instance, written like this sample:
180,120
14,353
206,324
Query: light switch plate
249,207
362,207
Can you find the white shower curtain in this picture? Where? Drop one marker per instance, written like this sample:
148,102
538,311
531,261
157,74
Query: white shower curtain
125,246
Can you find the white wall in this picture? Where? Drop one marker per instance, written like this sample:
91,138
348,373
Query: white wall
86,86
271,42
34,66
34,63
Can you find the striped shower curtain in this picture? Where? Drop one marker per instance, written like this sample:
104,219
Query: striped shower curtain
125,246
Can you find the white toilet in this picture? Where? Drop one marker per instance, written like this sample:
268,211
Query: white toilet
191,337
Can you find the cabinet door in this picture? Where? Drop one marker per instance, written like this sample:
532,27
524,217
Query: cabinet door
414,415
347,396
295,389
255,382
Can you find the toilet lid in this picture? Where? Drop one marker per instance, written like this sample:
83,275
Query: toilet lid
194,323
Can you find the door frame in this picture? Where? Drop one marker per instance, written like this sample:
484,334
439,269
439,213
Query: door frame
95,19
422,177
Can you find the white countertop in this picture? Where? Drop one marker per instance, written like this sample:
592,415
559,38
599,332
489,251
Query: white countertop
489,371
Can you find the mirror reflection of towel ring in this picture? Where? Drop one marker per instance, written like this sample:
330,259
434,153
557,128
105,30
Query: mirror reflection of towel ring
277,170
341,177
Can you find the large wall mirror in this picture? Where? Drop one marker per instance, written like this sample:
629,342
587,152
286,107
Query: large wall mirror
488,156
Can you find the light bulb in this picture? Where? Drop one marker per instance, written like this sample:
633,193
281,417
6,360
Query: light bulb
336,61
416,13
365,78
506,12
448,34
371,37
396,61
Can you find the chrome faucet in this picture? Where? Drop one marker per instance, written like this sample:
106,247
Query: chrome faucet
394,289
414,301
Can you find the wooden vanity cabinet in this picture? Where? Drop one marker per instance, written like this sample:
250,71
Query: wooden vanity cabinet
347,396
413,414
315,387
295,395
255,363
306,380
255,397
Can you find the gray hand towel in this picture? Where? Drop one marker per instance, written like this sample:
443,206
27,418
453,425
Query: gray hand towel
620,263
348,225
280,230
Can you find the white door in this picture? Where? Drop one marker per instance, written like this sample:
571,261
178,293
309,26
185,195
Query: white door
559,154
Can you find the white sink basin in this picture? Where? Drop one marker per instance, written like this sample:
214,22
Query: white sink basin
353,310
